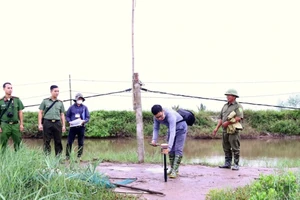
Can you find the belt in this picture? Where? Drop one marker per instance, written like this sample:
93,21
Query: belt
77,126
52,120
11,122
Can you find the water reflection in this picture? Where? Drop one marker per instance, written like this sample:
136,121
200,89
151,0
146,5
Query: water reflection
253,152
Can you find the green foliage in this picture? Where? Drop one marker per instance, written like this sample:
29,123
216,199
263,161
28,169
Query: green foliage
31,124
282,122
123,123
275,187
240,193
283,186
287,127
203,120
28,174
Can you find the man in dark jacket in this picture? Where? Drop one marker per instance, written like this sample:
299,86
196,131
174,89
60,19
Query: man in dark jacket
77,115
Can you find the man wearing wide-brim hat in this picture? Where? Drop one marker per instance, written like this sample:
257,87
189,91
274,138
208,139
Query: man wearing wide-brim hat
229,118
77,116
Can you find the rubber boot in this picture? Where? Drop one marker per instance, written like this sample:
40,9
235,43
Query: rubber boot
236,162
227,164
171,159
176,164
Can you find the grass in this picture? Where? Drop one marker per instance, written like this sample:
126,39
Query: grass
127,156
28,174
154,156
283,185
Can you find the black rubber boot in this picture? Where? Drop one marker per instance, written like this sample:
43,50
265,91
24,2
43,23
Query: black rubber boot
227,163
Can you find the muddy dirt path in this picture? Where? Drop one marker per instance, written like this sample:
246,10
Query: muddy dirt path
194,181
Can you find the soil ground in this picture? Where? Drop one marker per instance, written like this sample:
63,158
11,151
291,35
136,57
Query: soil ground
193,182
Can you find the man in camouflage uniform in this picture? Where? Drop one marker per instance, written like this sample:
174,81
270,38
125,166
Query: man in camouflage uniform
231,140
11,118
53,122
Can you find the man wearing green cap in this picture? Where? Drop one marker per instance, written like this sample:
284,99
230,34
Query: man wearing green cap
230,118
11,117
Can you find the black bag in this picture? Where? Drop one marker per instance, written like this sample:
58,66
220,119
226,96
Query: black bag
188,116
47,110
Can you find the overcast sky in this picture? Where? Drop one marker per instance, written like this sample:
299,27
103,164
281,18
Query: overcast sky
190,47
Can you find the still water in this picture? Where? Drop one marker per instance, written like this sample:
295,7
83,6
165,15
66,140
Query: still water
258,152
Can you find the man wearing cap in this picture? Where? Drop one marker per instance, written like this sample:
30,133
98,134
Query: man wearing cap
51,120
77,112
231,114
11,118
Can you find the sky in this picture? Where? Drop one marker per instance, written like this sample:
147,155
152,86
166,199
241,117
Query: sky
186,47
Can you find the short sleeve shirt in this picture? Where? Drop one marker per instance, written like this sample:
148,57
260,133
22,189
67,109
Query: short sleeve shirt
228,108
15,106
55,111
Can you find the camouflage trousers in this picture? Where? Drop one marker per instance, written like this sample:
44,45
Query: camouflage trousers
231,147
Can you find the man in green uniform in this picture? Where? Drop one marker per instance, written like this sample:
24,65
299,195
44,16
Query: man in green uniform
51,120
231,140
11,117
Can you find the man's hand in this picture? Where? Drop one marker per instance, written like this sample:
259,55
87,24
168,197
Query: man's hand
40,127
21,127
0,130
215,132
63,129
153,143
225,124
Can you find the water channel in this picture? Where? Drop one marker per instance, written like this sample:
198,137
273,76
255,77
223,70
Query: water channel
255,152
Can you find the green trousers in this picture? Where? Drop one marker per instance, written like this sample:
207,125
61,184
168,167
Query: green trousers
13,131
231,145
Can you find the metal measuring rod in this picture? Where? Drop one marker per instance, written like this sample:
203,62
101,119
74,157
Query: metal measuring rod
164,151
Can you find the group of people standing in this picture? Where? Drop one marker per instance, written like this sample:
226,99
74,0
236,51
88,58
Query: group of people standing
51,120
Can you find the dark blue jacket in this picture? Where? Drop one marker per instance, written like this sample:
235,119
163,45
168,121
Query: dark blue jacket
82,110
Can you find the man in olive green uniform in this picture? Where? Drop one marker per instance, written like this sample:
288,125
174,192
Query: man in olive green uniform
53,122
11,118
231,140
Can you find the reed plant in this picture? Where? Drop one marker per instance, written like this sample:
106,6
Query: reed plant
29,174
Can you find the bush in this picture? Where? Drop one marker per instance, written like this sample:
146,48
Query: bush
123,123
275,187
283,186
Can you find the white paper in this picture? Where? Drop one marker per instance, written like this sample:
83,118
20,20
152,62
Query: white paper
76,122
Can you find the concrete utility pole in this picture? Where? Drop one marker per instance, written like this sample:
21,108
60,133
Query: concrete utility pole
137,102
132,36
137,106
